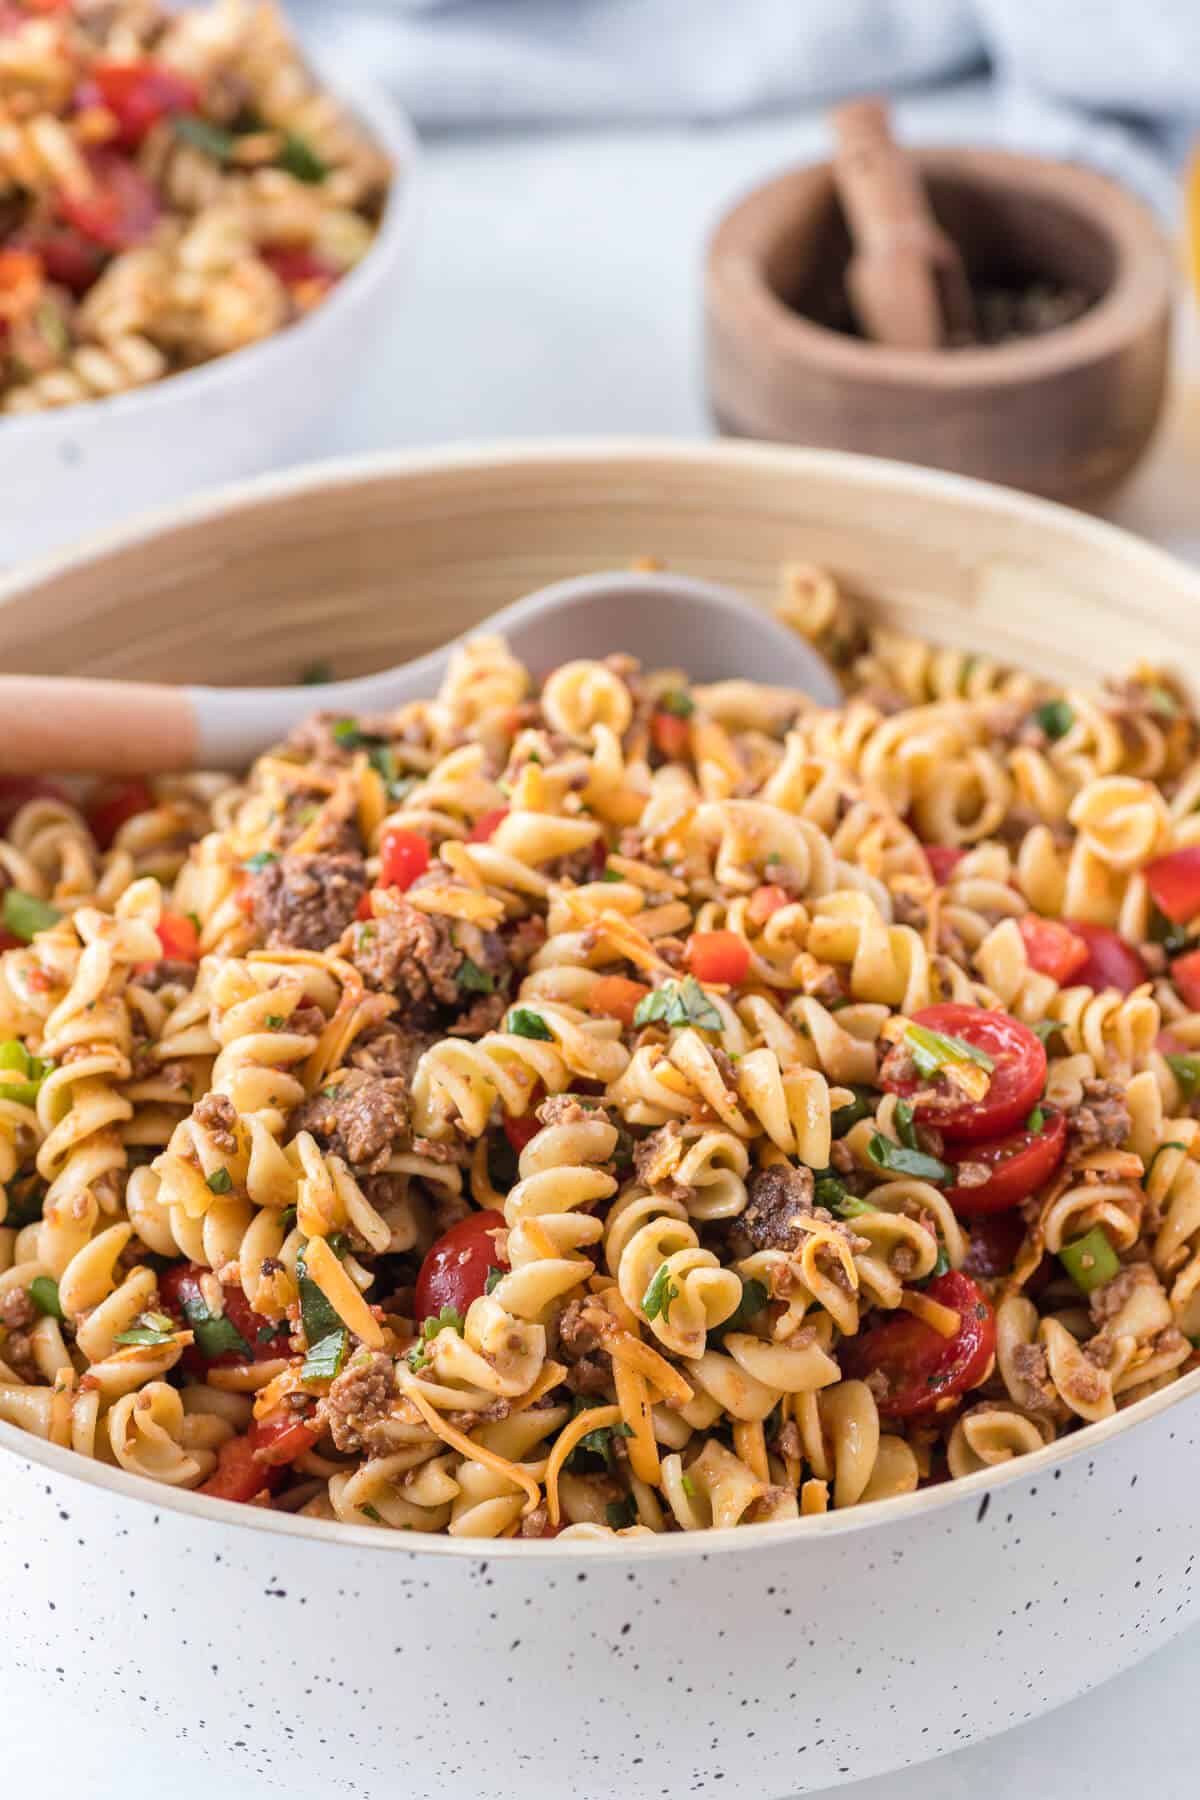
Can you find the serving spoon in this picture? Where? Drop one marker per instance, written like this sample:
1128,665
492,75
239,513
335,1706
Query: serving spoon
72,724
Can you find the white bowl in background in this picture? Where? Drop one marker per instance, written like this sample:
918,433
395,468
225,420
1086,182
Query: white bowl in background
75,470
292,1655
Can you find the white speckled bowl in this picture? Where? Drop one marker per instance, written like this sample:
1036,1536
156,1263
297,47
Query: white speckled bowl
770,1661
83,468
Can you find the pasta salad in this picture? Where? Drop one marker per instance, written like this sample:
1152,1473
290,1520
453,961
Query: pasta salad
610,1105
173,186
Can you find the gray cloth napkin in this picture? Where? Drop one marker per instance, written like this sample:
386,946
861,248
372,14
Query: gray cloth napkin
1113,82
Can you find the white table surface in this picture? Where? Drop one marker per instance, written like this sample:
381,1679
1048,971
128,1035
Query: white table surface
555,291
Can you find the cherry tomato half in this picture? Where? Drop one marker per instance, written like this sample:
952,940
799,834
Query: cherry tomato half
239,1475
283,1436
403,855
1052,948
1174,883
141,93
179,937
111,804
993,1244
1185,973
943,859
1111,962
67,258
487,824
924,1369
456,1268
1021,1162
121,210
718,956
616,997
766,901
17,790
670,735
1015,1082
180,1285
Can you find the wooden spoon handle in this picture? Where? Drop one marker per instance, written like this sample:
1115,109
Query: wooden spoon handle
65,725
878,184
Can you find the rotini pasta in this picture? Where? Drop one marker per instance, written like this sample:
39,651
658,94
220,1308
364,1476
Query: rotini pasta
613,1107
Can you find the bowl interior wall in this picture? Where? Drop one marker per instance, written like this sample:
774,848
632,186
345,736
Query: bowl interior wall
1008,236
364,568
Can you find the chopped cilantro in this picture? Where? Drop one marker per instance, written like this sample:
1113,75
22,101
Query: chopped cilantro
43,1291
612,875
151,1328
905,1126
659,1295
899,1159
201,134
754,1298
474,980
317,1316
1186,1070
448,1319
1035,1121
301,160
861,1107
274,1021
679,1003
1055,717
259,860
621,1514
326,1357
219,1182
940,1267
524,1022
678,702
25,915
493,1279
215,1333
598,1443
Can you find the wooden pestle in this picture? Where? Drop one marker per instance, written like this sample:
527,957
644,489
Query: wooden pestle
906,280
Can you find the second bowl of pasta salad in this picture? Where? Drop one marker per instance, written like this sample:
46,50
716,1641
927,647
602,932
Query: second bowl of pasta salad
197,232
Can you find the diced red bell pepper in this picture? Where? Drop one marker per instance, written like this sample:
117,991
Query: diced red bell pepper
140,93
1174,883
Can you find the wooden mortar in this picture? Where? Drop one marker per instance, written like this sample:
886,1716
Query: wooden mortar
1067,414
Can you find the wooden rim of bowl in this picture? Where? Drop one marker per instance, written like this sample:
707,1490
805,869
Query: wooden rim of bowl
738,293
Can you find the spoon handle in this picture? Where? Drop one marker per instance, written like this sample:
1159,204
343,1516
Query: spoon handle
68,725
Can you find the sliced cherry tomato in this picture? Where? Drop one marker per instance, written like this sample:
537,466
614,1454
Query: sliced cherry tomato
486,826
67,258
924,1369
522,1131
122,208
1015,1081
1185,973
17,790
112,804
670,735
403,855
240,1475
1174,883
617,997
140,93
283,1436
456,1269
1052,948
943,859
179,1287
1021,1162
22,279
179,937
1111,962
298,267
364,909
766,901
993,1244
718,956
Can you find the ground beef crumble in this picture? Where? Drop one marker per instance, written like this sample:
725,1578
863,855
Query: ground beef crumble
779,1197
1101,1120
359,1399
362,1118
217,1115
411,954
306,902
